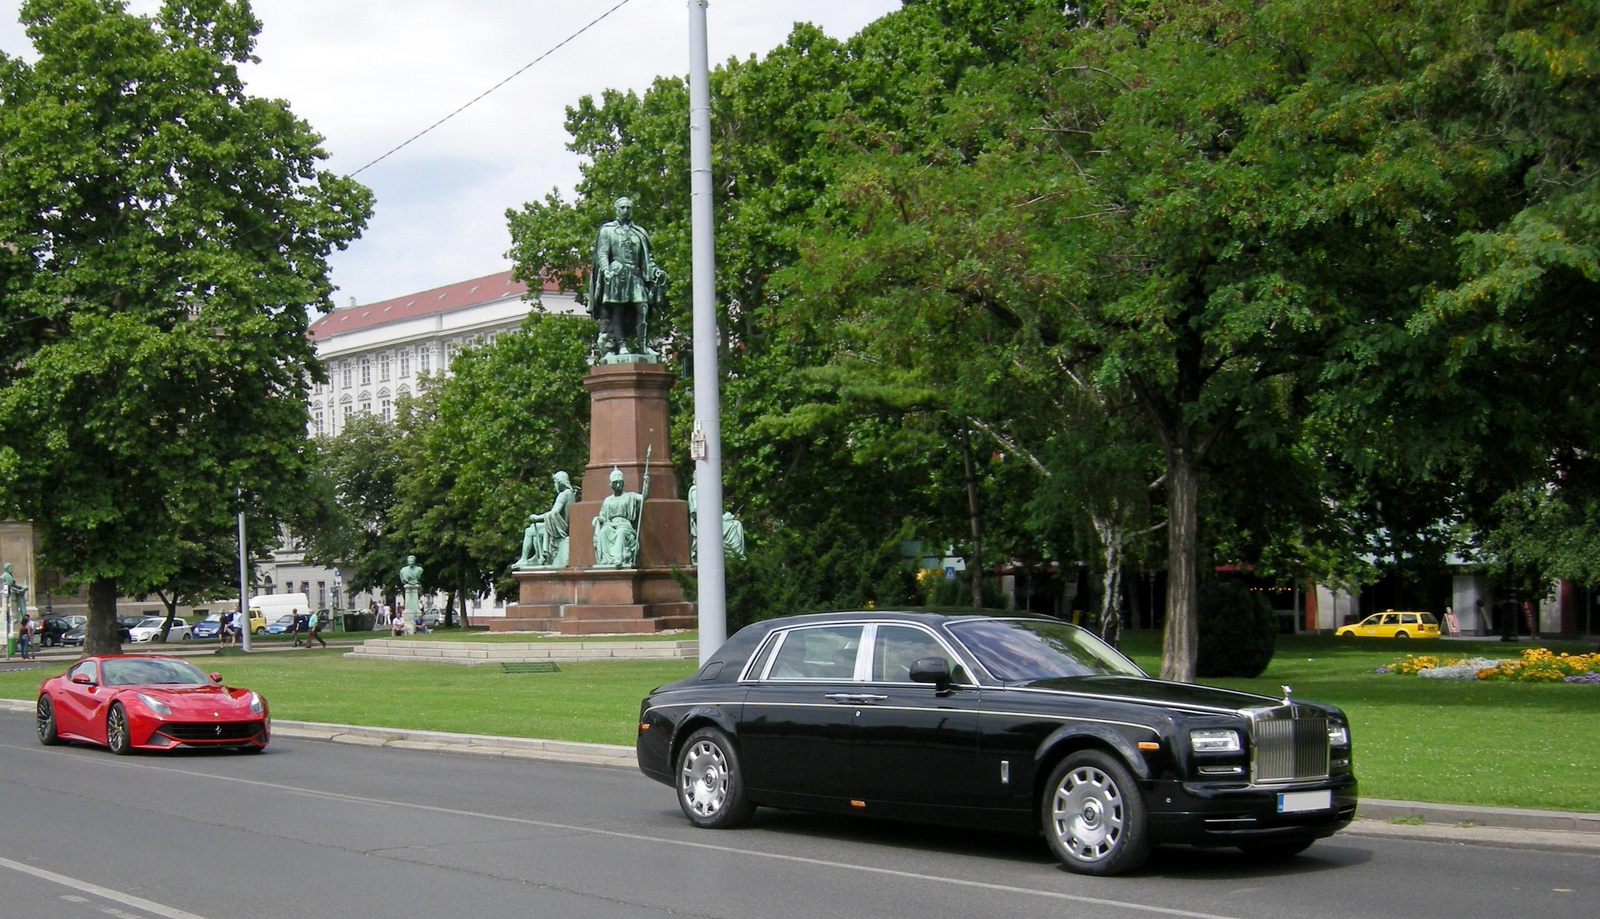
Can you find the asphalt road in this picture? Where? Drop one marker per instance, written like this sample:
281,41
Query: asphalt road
313,829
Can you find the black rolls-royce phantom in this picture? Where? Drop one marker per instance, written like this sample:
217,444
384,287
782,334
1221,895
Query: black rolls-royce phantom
999,721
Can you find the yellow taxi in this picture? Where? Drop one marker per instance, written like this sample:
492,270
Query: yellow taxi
1391,624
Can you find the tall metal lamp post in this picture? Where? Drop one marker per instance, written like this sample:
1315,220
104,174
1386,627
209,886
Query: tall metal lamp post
706,446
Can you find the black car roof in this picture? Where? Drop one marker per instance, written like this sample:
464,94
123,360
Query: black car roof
928,616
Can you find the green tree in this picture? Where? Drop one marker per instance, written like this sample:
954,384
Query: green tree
162,236
349,518
481,445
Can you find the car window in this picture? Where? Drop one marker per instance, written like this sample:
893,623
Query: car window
1428,619
1408,618
1372,620
143,671
84,667
819,653
897,647
1035,649
1391,619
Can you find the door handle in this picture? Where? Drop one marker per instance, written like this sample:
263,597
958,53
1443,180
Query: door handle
855,698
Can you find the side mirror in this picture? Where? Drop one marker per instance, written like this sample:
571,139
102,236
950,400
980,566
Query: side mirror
215,677
83,679
935,670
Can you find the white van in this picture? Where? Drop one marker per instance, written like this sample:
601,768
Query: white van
268,607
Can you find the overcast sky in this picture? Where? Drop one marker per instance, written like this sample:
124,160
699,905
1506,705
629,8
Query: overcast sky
367,74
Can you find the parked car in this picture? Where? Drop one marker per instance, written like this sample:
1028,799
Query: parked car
51,628
1391,624
125,626
149,629
996,721
138,702
282,625
209,627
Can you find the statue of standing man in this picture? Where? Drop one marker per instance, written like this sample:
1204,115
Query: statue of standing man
16,593
624,283
411,583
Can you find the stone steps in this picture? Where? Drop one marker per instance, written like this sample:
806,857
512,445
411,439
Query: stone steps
475,652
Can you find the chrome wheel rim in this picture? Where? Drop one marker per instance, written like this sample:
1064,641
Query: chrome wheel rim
1087,814
44,718
116,729
704,783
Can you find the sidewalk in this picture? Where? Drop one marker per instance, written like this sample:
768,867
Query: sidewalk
1503,827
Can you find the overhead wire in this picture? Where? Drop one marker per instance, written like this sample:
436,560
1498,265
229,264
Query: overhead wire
553,49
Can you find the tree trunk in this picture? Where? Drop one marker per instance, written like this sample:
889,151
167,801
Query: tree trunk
101,636
1110,580
975,568
1180,641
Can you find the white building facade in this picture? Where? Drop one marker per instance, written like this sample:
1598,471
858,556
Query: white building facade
377,353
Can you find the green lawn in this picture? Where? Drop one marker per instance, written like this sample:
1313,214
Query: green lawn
1513,744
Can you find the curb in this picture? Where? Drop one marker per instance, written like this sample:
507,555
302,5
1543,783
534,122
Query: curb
1503,827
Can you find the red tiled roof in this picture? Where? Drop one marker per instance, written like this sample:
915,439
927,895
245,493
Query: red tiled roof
425,303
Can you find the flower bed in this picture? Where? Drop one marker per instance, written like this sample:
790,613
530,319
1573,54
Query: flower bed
1536,665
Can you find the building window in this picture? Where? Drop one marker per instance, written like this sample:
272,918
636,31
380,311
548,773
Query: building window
383,368
385,405
366,371
405,363
317,423
322,594
347,382
423,358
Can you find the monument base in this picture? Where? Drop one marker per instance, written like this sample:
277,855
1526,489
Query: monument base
596,601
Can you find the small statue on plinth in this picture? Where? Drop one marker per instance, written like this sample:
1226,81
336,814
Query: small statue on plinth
411,584
616,527
16,594
624,283
544,542
732,535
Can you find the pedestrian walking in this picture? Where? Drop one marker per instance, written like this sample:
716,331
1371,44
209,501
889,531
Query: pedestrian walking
295,627
24,635
316,627
225,627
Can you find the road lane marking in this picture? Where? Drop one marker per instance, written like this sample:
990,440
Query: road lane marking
640,837
105,893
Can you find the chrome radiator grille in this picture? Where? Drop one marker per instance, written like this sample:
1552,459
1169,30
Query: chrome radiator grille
1287,747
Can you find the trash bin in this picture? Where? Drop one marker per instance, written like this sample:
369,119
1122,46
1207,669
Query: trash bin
359,622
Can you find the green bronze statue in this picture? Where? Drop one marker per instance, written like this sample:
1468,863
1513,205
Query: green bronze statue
411,584
544,542
624,283
16,593
616,527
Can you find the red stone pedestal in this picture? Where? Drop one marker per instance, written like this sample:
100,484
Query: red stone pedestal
627,418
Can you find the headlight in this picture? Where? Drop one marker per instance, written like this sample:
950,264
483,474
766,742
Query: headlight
1214,741
256,704
154,704
1338,736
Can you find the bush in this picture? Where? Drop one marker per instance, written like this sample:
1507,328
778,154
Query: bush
1237,632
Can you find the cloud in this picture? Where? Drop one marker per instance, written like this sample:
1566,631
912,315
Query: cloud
368,74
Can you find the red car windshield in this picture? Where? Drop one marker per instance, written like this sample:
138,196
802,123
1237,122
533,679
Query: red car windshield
151,671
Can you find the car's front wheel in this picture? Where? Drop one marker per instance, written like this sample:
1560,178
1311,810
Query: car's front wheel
1094,818
710,781
117,736
44,716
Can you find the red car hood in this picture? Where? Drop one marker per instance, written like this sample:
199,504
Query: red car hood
203,701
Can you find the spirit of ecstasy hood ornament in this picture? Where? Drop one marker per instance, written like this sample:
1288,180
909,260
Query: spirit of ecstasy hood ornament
1286,691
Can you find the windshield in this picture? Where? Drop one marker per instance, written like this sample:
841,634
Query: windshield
152,670
1017,650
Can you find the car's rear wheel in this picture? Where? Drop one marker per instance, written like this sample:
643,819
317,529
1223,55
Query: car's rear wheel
1401,635
44,716
1094,818
711,782
117,737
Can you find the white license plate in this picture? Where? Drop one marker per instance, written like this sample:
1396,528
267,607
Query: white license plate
1294,802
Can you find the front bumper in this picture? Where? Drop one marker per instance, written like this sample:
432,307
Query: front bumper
1206,813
